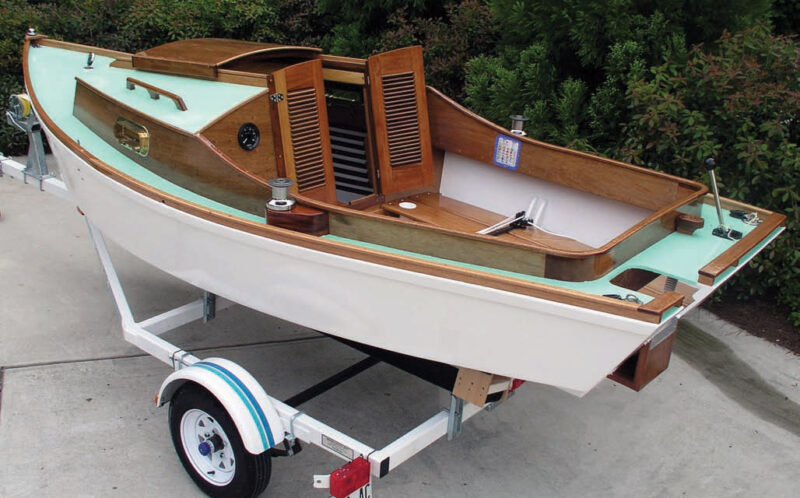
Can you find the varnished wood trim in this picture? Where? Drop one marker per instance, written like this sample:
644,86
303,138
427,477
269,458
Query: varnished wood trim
341,76
687,223
173,129
300,95
562,264
223,133
241,77
483,279
177,156
169,66
709,273
121,64
366,202
343,63
400,126
277,134
434,94
132,83
230,162
662,303
301,219
649,363
278,51
75,47
204,57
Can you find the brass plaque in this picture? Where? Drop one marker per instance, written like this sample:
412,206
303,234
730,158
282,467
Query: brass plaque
132,136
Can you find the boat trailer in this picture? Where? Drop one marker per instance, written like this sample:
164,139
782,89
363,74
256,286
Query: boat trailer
225,427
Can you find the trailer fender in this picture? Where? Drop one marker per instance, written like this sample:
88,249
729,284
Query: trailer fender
239,393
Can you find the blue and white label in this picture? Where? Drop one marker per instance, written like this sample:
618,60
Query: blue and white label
506,152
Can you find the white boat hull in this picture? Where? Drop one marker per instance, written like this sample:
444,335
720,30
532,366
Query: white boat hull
430,317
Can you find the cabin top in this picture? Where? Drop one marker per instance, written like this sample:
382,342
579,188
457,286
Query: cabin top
204,57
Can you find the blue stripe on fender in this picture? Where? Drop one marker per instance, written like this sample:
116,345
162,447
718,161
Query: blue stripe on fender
247,397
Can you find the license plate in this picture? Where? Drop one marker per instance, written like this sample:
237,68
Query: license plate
364,492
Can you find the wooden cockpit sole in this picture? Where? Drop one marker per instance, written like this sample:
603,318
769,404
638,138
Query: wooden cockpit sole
444,212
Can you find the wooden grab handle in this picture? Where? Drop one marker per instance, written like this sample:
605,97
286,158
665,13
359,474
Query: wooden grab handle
155,92
710,272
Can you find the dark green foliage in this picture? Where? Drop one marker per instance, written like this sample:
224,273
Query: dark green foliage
555,109
300,24
359,24
465,31
594,48
786,16
738,102
152,22
582,31
12,30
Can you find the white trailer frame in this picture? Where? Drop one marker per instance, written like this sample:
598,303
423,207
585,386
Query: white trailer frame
293,424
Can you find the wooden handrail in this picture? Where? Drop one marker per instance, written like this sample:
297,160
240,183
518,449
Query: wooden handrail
709,273
155,92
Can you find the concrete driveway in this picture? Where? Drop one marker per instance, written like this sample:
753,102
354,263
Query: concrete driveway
77,418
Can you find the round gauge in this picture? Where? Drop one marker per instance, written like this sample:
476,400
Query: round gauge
249,136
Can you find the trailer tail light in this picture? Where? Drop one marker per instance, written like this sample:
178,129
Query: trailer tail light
349,478
515,383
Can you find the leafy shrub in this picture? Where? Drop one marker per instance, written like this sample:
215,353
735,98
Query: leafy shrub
12,31
465,31
589,51
557,111
738,101
149,23
359,23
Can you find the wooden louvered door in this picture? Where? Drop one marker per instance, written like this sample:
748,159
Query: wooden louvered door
400,119
303,145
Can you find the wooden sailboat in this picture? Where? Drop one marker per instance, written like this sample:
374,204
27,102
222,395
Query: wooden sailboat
410,224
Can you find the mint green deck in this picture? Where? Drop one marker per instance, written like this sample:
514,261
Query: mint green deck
205,100
676,255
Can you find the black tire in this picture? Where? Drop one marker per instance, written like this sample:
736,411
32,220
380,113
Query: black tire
252,472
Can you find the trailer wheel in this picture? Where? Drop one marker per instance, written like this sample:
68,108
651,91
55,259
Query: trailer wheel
210,448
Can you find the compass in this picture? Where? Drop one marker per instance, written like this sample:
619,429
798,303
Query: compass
249,136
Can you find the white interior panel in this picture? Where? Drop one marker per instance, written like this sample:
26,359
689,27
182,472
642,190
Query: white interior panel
585,217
